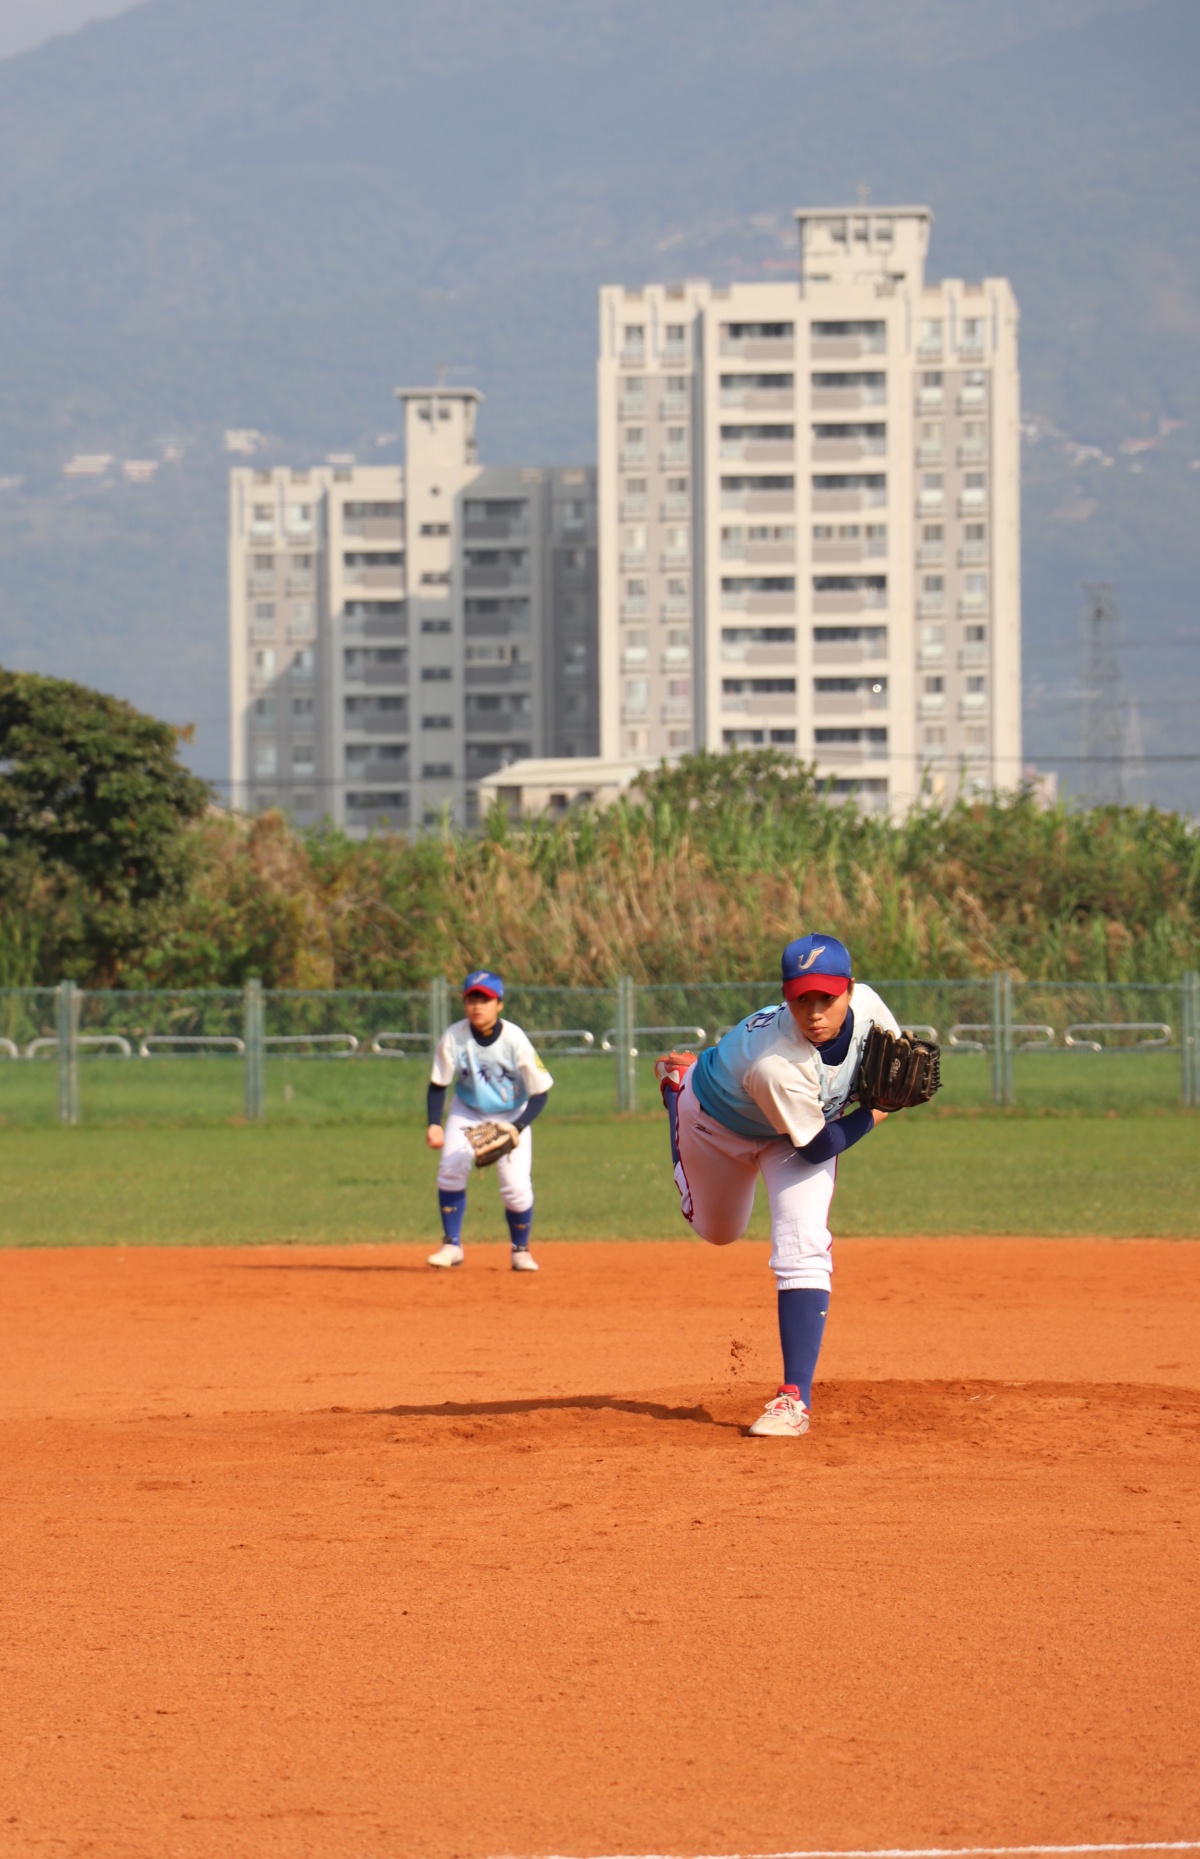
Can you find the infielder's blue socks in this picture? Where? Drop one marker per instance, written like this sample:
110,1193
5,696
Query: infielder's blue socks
802,1317
452,1205
520,1226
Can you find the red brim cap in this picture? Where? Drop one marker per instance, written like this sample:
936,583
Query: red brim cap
815,984
479,987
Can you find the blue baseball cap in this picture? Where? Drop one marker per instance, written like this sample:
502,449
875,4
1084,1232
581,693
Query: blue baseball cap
483,981
815,964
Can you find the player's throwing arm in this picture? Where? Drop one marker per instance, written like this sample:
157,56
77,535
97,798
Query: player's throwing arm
772,1099
500,1086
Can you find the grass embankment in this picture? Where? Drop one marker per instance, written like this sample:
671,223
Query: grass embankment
596,1179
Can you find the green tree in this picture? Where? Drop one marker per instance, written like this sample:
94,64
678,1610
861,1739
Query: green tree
94,792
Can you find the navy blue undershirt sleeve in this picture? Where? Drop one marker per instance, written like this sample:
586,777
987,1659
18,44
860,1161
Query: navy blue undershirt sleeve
533,1108
837,1136
435,1103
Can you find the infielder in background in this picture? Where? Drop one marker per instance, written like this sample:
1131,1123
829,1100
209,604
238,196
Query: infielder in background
500,1086
769,1099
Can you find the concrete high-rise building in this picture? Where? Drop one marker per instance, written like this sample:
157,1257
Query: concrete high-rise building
809,516
397,634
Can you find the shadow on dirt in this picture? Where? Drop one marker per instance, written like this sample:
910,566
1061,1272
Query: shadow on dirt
475,1410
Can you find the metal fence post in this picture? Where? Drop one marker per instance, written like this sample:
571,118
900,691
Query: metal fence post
625,1047
1003,1087
439,1010
255,1071
69,1003
1189,1040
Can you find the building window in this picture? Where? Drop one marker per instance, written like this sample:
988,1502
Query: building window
435,580
435,626
976,685
637,696
436,674
932,686
435,529
264,662
302,663
302,706
636,650
437,722
264,612
303,758
437,771
264,710
266,758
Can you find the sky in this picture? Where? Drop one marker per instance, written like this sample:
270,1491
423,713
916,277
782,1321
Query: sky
26,23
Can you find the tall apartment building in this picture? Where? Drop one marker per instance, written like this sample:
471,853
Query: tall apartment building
809,518
398,634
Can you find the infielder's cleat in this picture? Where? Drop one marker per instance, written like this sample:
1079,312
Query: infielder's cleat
671,1071
521,1261
449,1254
786,1416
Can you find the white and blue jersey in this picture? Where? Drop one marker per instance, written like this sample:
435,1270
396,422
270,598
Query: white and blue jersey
496,1080
765,1079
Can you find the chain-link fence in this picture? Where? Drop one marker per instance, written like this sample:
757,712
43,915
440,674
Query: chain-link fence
208,1055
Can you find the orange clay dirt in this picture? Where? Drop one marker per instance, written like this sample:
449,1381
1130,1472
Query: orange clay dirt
319,1552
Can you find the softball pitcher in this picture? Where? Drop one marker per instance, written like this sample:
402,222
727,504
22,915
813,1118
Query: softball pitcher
770,1099
500,1086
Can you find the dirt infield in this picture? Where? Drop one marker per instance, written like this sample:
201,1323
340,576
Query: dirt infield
315,1552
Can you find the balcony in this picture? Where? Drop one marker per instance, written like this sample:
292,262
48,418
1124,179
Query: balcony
932,704
849,703
632,409
301,584
759,348
931,603
930,348
633,458
845,348
931,452
675,355
374,528
930,501
972,451
759,703
632,357
677,606
675,407
847,450
973,604
633,558
970,398
635,658
634,607
676,709
931,399
974,652
973,704
969,502
932,655
930,554
676,559
633,507
837,552
850,745
635,713
851,600
672,456
676,506
972,553
757,399
262,529
260,584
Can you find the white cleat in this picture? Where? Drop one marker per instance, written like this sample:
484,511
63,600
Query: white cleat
786,1417
449,1254
521,1261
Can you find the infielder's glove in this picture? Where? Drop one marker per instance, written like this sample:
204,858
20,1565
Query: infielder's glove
491,1140
897,1071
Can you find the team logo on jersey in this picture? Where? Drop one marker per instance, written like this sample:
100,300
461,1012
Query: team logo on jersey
811,957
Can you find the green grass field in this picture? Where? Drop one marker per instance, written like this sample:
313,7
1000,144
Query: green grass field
320,1091
597,1177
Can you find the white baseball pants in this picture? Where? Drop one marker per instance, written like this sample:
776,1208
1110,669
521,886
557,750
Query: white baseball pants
717,1175
514,1171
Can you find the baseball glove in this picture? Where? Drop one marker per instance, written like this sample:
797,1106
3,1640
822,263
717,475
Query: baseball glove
491,1140
897,1071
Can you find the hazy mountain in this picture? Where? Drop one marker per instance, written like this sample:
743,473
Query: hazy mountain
268,213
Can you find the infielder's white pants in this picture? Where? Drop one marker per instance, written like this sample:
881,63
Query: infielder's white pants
514,1171
717,1175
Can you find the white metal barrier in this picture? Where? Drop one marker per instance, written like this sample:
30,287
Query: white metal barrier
544,1037
962,1036
395,1049
697,1034
1079,1036
9,1048
99,1042
342,1045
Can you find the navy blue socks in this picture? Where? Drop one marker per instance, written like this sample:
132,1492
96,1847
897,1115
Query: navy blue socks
802,1317
452,1205
519,1226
